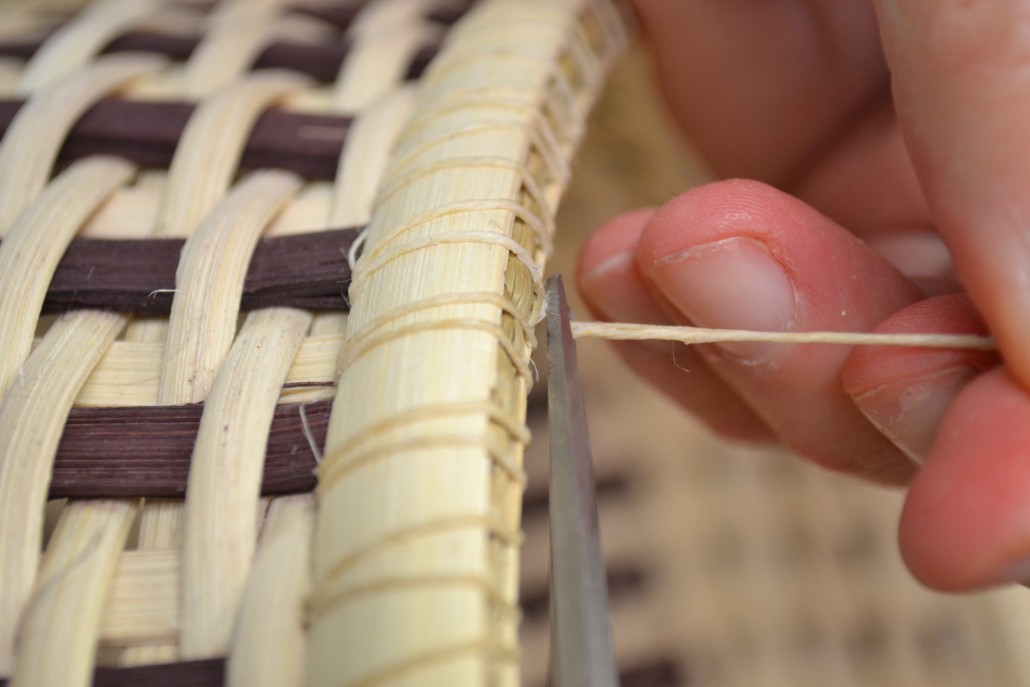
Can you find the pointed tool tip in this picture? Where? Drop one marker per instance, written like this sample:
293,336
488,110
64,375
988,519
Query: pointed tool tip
554,294
581,627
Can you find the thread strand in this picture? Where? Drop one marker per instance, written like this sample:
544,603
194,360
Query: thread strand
618,331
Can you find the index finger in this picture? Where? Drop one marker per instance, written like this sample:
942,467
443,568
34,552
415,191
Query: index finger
762,87
962,91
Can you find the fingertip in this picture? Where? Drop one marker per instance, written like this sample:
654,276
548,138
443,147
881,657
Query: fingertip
966,520
614,240
743,255
871,367
1008,313
607,276
905,392
961,90
723,209
614,290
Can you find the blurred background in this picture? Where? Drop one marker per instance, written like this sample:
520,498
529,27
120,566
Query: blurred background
731,567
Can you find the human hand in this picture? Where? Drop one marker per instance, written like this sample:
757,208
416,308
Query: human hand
797,94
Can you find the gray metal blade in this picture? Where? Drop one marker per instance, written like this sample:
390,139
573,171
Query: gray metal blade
581,639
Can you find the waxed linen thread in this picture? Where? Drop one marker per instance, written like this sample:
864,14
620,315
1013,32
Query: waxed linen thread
622,331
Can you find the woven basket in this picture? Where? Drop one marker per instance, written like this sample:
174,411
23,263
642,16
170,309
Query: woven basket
181,188
165,167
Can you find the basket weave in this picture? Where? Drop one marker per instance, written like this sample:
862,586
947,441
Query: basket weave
181,186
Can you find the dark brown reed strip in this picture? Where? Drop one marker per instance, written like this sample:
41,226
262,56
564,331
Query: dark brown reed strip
625,581
278,55
208,672
145,451
320,61
449,14
660,672
341,15
147,133
655,672
138,276
607,488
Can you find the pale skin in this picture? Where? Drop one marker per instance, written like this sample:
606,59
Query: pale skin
886,148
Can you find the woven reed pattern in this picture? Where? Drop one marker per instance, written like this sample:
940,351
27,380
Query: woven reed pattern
180,186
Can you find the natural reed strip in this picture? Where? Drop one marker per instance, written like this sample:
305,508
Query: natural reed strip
138,275
380,17
31,420
378,59
73,45
619,331
29,254
20,19
237,33
148,132
199,177
268,645
360,167
320,60
128,375
219,528
368,150
209,283
143,604
225,477
34,410
65,610
30,145
433,467
271,651
213,575
149,534
207,156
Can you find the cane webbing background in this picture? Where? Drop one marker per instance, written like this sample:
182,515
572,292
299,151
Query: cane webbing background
180,183
181,188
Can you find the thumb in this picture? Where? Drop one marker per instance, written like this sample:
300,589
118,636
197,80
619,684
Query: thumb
962,91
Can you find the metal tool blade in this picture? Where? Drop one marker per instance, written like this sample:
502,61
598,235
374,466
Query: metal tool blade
581,639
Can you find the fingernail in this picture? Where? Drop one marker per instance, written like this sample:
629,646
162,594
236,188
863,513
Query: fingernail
617,290
908,412
1016,573
735,283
